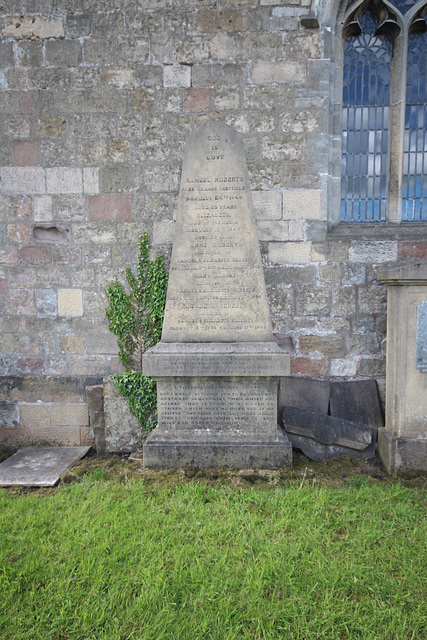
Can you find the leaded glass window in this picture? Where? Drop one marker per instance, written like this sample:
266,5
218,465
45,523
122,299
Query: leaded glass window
384,147
366,110
414,189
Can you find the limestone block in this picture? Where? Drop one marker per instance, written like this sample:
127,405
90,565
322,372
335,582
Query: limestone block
46,302
91,181
266,72
119,76
34,415
51,127
178,75
122,430
64,180
70,302
42,208
18,233
9,415
69,414
374,252
343,367
267,204
19,180
289,252
223,47
302,204
296,230
273,230
163,232
32,27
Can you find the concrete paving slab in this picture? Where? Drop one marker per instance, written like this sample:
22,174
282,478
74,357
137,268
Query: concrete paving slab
39,466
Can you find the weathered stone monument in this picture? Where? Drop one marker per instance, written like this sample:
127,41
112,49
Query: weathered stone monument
216,367
403,441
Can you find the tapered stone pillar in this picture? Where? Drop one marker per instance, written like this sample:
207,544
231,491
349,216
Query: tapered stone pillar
217,368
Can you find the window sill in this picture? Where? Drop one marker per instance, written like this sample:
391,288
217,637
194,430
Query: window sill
379,231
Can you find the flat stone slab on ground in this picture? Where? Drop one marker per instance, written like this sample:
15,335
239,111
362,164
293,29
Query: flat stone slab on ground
39,466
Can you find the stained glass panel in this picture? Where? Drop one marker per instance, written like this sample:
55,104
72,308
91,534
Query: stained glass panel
403,5
365,129
414,192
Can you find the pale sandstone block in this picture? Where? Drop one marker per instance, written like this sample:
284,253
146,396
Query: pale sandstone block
163,232
276,72
22,180
72,344
69,414
86,437
32,27
177,75
42,208
34,415
64,180
91,181
68,436
70,303
267,204
317,256
373,252
289,252
343,367
269,230
119,76
302,204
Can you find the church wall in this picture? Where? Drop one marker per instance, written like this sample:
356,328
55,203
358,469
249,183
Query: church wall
97,99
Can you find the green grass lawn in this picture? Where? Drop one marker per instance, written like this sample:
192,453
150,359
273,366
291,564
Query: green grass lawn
118,555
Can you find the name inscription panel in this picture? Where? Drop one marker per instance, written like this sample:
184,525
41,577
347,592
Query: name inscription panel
216,288
219,404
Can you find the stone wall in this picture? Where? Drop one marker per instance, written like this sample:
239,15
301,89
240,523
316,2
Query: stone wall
97,99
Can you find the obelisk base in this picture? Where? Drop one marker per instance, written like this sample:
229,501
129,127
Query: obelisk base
225,414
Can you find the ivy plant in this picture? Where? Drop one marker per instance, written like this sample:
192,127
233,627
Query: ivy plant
136,318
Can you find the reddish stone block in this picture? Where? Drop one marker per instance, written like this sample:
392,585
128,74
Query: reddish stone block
3,286
34,255
26,153
110,207
309,366
30,364
413,250
27,102
196,99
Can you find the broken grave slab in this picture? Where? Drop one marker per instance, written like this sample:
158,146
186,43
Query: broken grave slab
39,466
320,436
356,400
305,393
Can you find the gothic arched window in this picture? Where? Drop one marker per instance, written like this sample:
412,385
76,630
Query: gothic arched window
384,117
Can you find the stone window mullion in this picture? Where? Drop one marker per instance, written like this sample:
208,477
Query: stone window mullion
397,127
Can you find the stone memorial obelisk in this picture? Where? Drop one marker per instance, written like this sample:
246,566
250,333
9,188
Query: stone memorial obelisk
216,367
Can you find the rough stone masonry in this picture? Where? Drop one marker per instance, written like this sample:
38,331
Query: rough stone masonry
97,99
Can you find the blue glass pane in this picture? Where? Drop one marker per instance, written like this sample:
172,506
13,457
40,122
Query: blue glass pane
403,5
414,192
366,110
